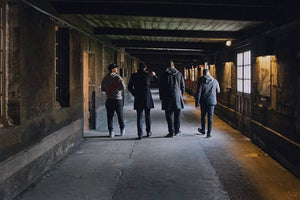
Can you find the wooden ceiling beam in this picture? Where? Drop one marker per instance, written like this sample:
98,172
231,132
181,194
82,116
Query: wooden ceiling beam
158,44
207,10
150,58
167,33
163,52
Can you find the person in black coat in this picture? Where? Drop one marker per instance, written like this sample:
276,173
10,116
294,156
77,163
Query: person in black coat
206,96
171,90
139,87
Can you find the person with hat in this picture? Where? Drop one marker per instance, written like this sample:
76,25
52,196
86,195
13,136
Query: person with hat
114,86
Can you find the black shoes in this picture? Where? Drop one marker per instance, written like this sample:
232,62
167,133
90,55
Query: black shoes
170,135
122,132
201,131
178,133
149,134
140,136
111,133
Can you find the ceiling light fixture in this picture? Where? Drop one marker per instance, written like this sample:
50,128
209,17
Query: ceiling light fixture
228,43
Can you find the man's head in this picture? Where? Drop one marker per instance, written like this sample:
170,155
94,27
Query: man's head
172,64
206,72
112,68
142,66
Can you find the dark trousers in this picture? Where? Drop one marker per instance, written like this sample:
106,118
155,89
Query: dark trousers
173,120
139,120
112,106
209,111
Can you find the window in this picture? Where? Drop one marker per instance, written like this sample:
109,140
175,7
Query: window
193,74
244,72
2,64
62,67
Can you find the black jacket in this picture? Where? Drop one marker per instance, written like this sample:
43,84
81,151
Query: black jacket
139,87
207,89
171,89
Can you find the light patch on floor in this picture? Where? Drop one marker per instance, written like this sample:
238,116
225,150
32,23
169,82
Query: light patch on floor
251,155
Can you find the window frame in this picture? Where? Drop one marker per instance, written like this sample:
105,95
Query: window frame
62,67
244,77
3,106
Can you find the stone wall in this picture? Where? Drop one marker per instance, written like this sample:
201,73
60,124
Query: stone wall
40,132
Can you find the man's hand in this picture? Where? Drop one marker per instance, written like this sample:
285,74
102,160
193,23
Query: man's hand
153,73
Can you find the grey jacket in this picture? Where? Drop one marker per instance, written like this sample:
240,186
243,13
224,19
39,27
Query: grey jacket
207,89
113,85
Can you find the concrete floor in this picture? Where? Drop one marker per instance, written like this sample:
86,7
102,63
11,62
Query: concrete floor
225,166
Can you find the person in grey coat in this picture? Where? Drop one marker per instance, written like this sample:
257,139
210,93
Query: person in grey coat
114,86
139,87
206,96
171,90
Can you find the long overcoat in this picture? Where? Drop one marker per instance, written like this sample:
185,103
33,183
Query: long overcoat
171,89
139,87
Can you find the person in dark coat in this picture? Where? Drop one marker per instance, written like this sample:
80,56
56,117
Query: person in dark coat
206,96
171,90
139,87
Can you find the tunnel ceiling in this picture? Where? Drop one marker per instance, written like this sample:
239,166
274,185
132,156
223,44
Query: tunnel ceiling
179,30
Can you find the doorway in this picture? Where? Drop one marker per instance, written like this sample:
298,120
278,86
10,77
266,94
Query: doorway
86,113
243,100
89,91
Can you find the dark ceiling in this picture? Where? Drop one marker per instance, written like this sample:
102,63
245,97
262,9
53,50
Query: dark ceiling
179,30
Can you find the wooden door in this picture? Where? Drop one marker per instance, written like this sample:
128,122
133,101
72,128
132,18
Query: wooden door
86,114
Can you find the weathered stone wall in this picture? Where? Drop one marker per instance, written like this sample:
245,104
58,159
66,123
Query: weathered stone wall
36,125
40,132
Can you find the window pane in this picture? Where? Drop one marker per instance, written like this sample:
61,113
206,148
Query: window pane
1,60
240,85
240,72
247,72
62,66
1,67
0,83
1,17
247,58
240,59
193,74
1,38
247,86
244,72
